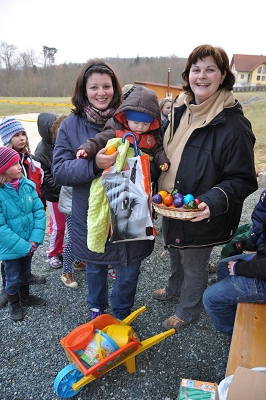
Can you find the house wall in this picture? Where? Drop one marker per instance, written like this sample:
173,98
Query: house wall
242,78
261,75
161,90
250,78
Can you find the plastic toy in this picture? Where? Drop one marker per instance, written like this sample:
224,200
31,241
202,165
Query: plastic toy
72,379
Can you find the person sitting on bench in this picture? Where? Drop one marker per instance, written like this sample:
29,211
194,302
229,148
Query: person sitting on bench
248,237
241,279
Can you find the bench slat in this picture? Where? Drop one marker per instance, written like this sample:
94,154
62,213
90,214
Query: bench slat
248,345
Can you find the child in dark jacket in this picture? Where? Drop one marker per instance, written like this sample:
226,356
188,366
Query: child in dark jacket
248,236
48,126
22,229
139,114
13,135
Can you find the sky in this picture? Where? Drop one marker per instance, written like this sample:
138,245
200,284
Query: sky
85,29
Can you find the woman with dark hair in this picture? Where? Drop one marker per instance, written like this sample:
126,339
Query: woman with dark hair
97,94
210,146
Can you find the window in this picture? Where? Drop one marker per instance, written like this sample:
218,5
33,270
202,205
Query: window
242,76
258,78
262,70
263,78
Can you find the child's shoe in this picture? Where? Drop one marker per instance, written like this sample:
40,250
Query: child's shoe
69,280
28,300
55,262
37,279
15,311
95,314
80,265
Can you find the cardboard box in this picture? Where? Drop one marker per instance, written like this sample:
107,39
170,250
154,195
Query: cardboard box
247,384
192,389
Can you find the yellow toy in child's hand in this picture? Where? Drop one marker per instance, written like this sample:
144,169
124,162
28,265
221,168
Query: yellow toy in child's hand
164,167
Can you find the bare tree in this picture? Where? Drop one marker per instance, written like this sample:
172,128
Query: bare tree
48,55
24,60
27,58
8,54
58,81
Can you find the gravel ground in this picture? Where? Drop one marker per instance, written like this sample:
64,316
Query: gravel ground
31,355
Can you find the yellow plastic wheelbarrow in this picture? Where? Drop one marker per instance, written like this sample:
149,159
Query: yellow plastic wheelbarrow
72,379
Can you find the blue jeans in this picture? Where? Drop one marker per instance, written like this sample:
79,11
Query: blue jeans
220,300
124,289
188,280
17,273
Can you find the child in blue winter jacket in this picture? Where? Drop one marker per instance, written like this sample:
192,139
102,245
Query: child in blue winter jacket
13,135
22,229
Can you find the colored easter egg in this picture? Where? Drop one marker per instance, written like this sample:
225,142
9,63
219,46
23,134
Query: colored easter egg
188,198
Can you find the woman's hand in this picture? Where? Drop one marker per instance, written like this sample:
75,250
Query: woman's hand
104,161
204,214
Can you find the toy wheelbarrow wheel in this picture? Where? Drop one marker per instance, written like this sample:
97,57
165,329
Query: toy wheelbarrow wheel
64,381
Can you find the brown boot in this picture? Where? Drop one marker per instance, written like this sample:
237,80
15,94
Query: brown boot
80,266
69,280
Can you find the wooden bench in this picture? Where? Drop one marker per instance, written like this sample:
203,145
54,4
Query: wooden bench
248,345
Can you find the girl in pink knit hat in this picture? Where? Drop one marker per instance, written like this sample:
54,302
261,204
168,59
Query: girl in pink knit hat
13,135
22,229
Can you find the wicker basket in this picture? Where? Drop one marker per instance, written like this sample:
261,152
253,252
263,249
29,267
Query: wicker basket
175,213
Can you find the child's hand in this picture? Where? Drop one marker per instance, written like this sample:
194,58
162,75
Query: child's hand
81,153
34,247
164,167
231,269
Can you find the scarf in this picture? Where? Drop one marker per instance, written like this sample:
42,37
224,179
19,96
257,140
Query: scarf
195,116
15,184
98,116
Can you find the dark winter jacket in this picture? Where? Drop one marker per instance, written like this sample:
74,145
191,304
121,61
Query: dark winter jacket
31,169
258,216
217,167
79,173
44,154
141,100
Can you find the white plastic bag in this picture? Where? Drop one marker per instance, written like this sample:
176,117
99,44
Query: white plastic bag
128,193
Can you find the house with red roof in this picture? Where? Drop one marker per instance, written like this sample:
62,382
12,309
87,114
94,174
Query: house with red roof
249,70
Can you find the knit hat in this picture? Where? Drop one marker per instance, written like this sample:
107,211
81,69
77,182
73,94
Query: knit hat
8,157
127,89
138,116
8,128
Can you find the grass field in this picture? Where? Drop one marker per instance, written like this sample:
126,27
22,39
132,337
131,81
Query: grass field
25,105
254,106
